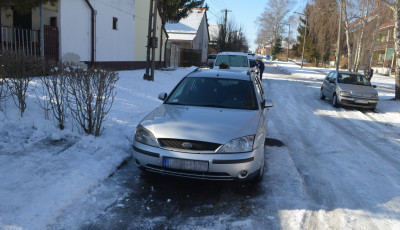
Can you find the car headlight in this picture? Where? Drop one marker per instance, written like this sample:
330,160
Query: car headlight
345,93
238,145
374,96
144,136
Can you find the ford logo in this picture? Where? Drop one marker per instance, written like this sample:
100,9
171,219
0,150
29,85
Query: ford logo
187,145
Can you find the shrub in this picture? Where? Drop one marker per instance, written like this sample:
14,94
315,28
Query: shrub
16,71
55,92
90,96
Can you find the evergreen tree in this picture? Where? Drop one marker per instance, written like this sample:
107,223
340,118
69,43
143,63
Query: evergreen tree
175,10
23,6
311,50
277,48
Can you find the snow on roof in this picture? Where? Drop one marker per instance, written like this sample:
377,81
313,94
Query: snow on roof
182,36
214,31
188,25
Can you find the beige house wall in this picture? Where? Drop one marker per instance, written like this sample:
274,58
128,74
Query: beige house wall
142,8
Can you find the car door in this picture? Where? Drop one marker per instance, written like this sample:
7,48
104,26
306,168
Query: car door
332,85
325,83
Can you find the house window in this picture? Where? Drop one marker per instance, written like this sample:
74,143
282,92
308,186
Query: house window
115,23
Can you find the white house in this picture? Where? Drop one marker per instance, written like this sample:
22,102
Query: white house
110,33
189,37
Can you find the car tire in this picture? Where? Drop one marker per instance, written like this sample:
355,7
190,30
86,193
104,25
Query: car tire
335,101
321,95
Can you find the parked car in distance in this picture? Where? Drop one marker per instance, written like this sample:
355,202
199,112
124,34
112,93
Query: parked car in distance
211,60
211,127
349,89
268,57
236,61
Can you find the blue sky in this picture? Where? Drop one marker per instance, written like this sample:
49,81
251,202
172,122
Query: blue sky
244,13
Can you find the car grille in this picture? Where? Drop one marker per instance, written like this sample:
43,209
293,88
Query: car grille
185,145
189,174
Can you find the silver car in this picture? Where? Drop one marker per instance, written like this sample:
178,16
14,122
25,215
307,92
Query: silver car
212,126
349,89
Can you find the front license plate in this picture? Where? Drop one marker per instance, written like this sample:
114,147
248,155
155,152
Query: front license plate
182,164
360,101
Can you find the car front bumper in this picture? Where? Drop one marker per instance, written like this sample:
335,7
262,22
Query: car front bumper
358,102
226,167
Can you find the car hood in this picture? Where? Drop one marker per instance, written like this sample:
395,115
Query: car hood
201,123
358,89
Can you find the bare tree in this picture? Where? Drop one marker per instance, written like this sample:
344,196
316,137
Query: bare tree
349,15
323,25
269,22
17,71
394,5
232,37
366,7
55,92
90,97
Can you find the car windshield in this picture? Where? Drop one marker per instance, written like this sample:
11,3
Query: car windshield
214,92
212,56
233,60
353,79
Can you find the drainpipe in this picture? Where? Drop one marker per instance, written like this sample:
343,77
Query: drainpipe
92,31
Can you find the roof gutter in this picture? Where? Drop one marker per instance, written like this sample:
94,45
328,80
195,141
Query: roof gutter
92,31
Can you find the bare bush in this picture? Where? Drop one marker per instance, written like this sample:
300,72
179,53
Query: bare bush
54,90
17,70
90,97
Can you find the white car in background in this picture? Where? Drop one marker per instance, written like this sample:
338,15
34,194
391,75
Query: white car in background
236,61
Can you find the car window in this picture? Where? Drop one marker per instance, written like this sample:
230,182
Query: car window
329,76
214,92
353,79
333,77
212,56
232,60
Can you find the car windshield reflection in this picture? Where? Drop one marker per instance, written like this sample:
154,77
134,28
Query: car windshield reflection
214,92
353,79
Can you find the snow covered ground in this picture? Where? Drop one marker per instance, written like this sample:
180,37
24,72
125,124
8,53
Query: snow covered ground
44,170
316,181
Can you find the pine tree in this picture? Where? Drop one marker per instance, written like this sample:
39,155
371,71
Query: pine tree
23,6
175,10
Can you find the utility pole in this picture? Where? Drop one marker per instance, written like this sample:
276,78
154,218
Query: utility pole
339,41
287,43
304,40
151,40
226,18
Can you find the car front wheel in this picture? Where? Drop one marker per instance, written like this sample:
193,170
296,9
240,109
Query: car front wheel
335,101
321,95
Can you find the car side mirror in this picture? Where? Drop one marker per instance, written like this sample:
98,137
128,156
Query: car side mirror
267,104
374,86
162,96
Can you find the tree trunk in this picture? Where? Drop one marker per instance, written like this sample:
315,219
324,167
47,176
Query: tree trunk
346,21
397,48
349,54
359,47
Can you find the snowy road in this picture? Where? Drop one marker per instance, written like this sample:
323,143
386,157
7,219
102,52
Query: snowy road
338,169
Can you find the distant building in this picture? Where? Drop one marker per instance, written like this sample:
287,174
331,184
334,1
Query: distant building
188,40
